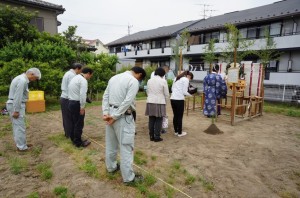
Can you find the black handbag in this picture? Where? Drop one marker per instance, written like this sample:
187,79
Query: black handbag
192,90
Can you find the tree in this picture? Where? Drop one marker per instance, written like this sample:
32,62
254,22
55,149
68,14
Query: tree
104,67
267,53
20,50
15,25
237,48
177,46
210,53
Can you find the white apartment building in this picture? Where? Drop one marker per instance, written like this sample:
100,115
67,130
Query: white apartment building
281,18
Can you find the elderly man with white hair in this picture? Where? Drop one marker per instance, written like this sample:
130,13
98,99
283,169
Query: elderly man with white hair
18,95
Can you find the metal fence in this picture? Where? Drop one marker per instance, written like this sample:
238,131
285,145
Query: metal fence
274,92
282,93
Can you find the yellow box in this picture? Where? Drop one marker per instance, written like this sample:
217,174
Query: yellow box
35,95
35,106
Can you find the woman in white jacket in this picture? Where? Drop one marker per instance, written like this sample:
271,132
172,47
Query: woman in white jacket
179,90
158,94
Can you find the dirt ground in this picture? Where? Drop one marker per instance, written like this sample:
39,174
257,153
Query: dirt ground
254,158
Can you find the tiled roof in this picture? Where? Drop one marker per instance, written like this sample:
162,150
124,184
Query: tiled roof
165,31
40,3
278,9
268,12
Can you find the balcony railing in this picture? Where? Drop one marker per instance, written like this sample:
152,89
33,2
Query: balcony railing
282,42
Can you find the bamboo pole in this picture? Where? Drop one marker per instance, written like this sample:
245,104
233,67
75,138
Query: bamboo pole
180,62
262,92
233,99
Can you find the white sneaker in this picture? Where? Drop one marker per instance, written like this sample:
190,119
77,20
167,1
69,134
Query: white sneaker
182,134
176,133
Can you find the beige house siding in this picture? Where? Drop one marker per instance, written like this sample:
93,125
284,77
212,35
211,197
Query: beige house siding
49,16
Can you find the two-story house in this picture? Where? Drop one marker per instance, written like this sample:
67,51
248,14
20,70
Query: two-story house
97,46
281,18
46,21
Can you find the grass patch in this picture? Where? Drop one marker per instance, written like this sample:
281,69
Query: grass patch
140,158
60,191
45,170
153,195
190,179
17,165
5,126
286,194
112,176
8,146
36,151
90,168
153,158
93,152
287,109
58,139
176,165
33,195
207,185
149,180
142,189
169,192
61,141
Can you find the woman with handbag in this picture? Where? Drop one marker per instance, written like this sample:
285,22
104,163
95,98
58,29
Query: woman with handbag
158,93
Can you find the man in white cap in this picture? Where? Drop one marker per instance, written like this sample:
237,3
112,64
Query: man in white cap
17,98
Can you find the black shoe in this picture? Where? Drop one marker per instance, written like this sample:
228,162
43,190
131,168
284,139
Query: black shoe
158,139
137,179
84,143
116,170
151,138
163,131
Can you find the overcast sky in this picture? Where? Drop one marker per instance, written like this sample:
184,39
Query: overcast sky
109,20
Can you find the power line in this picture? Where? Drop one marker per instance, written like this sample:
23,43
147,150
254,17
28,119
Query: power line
93,23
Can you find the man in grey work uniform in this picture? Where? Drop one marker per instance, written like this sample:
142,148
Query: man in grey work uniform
77,91
18,95
64,100
117,106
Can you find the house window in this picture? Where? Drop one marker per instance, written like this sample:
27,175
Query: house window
275,29
243,33
38,22
207,37
216,36
163,43
223,37
251,32
118,49
159,44
263,30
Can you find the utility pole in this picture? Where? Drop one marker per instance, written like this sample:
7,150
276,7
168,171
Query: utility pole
129,27
205,10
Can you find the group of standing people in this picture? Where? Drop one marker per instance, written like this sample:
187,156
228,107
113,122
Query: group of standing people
118,107
158,95
73,99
